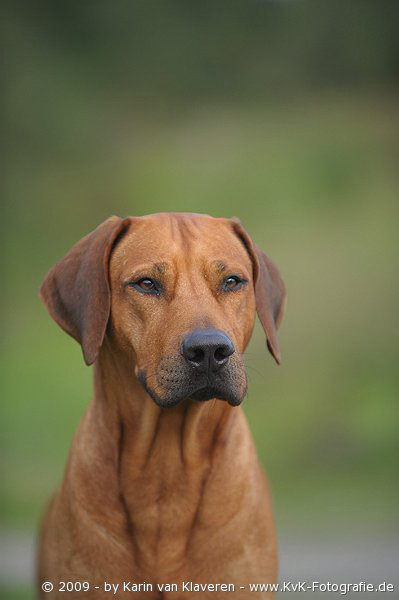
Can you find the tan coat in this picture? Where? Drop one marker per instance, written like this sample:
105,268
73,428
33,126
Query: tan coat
161,488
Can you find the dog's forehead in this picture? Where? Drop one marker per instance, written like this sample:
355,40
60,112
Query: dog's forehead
165,236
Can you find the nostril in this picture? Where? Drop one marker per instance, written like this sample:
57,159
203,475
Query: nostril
222,353
195,355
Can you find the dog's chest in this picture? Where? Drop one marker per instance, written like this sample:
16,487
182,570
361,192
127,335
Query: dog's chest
163,503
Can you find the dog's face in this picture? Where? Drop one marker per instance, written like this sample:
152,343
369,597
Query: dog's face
177,294
183,306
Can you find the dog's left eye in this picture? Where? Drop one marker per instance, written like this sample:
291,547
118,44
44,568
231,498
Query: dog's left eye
232,283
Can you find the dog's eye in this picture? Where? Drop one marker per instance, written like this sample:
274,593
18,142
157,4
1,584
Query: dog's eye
232,283
146,285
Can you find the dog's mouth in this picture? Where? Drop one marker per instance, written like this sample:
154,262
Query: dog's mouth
209,393
172,381
205,393
197,393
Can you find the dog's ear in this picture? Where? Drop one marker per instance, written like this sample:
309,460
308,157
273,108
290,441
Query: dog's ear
76,290
270,292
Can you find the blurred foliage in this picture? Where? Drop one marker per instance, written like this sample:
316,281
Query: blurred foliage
283,113
19,593
184,50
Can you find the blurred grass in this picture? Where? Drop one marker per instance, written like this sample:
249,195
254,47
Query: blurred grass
17,593
315,182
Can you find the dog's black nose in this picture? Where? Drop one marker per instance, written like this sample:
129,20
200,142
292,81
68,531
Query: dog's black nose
207,349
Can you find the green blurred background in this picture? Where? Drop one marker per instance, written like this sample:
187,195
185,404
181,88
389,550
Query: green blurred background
283,113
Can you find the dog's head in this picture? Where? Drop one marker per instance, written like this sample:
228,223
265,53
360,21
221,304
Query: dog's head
177,294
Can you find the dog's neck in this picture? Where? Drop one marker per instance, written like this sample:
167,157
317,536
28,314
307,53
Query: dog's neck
163,460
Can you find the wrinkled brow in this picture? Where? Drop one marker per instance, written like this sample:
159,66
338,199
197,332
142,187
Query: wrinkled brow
220,266
155,269
160,267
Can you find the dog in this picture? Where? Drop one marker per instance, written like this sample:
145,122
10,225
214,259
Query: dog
162,487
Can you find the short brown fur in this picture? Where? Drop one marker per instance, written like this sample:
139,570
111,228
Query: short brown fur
153,493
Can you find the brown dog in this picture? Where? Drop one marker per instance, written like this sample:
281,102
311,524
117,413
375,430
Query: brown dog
162,485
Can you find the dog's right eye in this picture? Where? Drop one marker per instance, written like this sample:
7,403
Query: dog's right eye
146,285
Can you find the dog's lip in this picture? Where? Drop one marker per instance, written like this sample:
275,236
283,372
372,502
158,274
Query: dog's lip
201,393
209,393
204,393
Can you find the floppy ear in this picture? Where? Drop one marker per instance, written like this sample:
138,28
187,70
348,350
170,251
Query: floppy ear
269,290
76,290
